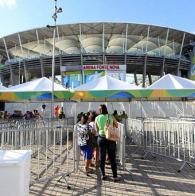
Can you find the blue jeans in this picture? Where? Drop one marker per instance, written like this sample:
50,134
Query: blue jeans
107,146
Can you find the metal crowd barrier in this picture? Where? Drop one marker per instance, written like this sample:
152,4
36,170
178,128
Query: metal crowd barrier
54,146
135,131
170,138
121,144
50,145
77,150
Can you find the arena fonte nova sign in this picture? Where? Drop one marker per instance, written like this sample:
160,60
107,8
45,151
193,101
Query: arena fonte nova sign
112,67
104,67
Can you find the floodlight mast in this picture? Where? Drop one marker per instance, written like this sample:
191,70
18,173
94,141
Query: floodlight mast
54,17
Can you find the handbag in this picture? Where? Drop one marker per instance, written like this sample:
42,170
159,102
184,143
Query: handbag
111,132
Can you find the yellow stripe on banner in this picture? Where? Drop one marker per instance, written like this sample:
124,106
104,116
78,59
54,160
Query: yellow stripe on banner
8,96
159,93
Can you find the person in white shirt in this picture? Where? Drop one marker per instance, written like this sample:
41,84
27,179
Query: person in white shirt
83,130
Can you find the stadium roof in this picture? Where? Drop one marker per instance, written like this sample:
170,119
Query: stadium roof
87,37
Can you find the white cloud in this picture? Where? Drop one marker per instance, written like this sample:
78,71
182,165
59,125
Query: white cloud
8,3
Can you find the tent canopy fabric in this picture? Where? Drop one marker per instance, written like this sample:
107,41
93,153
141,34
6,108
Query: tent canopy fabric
106,83
39,90
110,89
104,88
38,85
172,82
3,88
36,90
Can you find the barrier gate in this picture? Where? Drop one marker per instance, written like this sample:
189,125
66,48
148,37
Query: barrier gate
170,138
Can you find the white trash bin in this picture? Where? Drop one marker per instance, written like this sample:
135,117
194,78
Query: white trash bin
14,172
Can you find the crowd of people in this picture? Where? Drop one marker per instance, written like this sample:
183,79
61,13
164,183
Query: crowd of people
92,139
17,114
32,114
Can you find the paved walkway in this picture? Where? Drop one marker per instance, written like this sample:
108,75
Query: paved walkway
157,176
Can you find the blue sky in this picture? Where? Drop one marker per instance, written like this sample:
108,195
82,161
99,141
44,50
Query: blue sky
20,15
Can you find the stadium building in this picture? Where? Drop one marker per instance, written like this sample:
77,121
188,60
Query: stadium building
134,52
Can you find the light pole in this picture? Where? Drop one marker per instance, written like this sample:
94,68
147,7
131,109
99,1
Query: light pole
54,16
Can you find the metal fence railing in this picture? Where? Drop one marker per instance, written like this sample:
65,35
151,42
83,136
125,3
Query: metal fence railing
135,131
121,145
54,146
169,138
50,141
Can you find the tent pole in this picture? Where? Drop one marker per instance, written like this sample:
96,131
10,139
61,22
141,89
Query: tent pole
89,106
53,72
75,116
141,109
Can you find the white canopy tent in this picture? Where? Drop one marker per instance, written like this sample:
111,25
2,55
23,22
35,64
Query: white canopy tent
36,92
38,85
3,88
106,83
172,82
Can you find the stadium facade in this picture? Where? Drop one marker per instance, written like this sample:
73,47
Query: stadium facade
144,50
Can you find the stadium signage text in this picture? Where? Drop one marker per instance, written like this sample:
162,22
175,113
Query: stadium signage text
101,67
93,67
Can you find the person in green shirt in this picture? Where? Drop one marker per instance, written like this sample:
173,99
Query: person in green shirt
106,146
